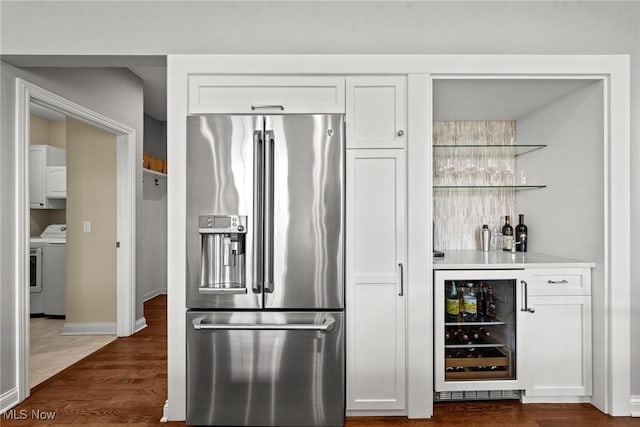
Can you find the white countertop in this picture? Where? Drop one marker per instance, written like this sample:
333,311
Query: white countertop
464,260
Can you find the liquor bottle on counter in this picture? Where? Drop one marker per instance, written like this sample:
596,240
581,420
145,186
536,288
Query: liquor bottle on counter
491,308
521,235
507,234
452,299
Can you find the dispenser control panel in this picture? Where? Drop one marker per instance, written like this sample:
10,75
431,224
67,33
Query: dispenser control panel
222,224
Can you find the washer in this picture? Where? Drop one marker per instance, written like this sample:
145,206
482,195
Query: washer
51,247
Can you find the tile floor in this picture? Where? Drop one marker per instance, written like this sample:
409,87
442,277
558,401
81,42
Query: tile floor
51,352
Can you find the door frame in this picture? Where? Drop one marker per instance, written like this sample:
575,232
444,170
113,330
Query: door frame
27,92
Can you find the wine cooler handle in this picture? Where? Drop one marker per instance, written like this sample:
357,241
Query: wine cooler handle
401,279
525,306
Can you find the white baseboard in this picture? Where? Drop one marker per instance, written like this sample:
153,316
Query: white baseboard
555,399
165,408
8,400
375,413
93,328
141,323
635,406
154,293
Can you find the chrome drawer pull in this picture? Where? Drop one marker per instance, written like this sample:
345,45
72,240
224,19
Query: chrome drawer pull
558,282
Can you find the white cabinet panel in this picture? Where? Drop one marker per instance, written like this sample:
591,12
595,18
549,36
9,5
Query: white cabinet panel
375,302
558,346
375,210
37,176
560,281
375,361
266,94
376,112
41,159
56,182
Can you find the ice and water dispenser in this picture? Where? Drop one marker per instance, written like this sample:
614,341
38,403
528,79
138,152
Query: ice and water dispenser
222,257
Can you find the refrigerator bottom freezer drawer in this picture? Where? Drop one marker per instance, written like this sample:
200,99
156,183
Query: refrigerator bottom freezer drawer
265,368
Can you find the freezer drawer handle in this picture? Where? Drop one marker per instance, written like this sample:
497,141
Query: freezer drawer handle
222,291
325,327
267,107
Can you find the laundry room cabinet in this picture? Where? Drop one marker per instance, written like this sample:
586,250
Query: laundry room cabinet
47,177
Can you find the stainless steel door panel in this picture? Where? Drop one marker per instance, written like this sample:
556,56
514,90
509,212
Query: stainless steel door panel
220,180
307,244
265,369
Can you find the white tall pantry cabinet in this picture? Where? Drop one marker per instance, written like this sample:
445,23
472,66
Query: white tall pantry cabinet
376,243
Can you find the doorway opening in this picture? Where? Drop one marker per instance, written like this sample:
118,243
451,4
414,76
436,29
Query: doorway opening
28,94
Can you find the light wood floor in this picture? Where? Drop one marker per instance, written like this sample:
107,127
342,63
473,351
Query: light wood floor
125,383
50,351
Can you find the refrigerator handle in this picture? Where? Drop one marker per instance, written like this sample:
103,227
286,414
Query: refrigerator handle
268,211
401,279
258,188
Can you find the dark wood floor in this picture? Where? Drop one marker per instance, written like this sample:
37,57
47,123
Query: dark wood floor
125,383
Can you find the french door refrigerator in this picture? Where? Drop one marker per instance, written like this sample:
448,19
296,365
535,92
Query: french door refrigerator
265,270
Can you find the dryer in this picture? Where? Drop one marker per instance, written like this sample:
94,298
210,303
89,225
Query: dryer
48,271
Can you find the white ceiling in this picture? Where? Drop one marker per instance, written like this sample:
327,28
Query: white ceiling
497,99
151,69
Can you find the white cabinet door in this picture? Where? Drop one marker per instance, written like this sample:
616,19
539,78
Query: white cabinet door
266,94
56,182
558,346
376,112
558,334
375,296
37,176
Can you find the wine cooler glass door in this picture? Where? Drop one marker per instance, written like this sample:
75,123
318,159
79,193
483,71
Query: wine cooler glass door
476,329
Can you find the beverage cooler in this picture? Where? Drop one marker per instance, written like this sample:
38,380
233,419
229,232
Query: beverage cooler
476,334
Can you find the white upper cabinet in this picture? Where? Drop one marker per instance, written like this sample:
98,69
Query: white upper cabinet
266,94
376,112
46,161
56,182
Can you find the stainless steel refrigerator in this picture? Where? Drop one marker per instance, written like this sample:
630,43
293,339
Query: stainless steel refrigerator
265,270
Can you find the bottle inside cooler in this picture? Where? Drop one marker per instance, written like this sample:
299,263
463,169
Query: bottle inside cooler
479,330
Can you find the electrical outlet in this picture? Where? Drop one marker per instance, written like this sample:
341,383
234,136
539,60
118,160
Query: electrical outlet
86,226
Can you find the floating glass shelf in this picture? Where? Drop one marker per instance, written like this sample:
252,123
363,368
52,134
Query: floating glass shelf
488,187
464,150
154,173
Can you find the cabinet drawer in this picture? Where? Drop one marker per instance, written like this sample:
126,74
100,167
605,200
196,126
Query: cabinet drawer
266,94
560,282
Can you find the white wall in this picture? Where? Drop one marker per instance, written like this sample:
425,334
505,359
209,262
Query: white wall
567,217
50,27
114,93
154,237
155,137
154,215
